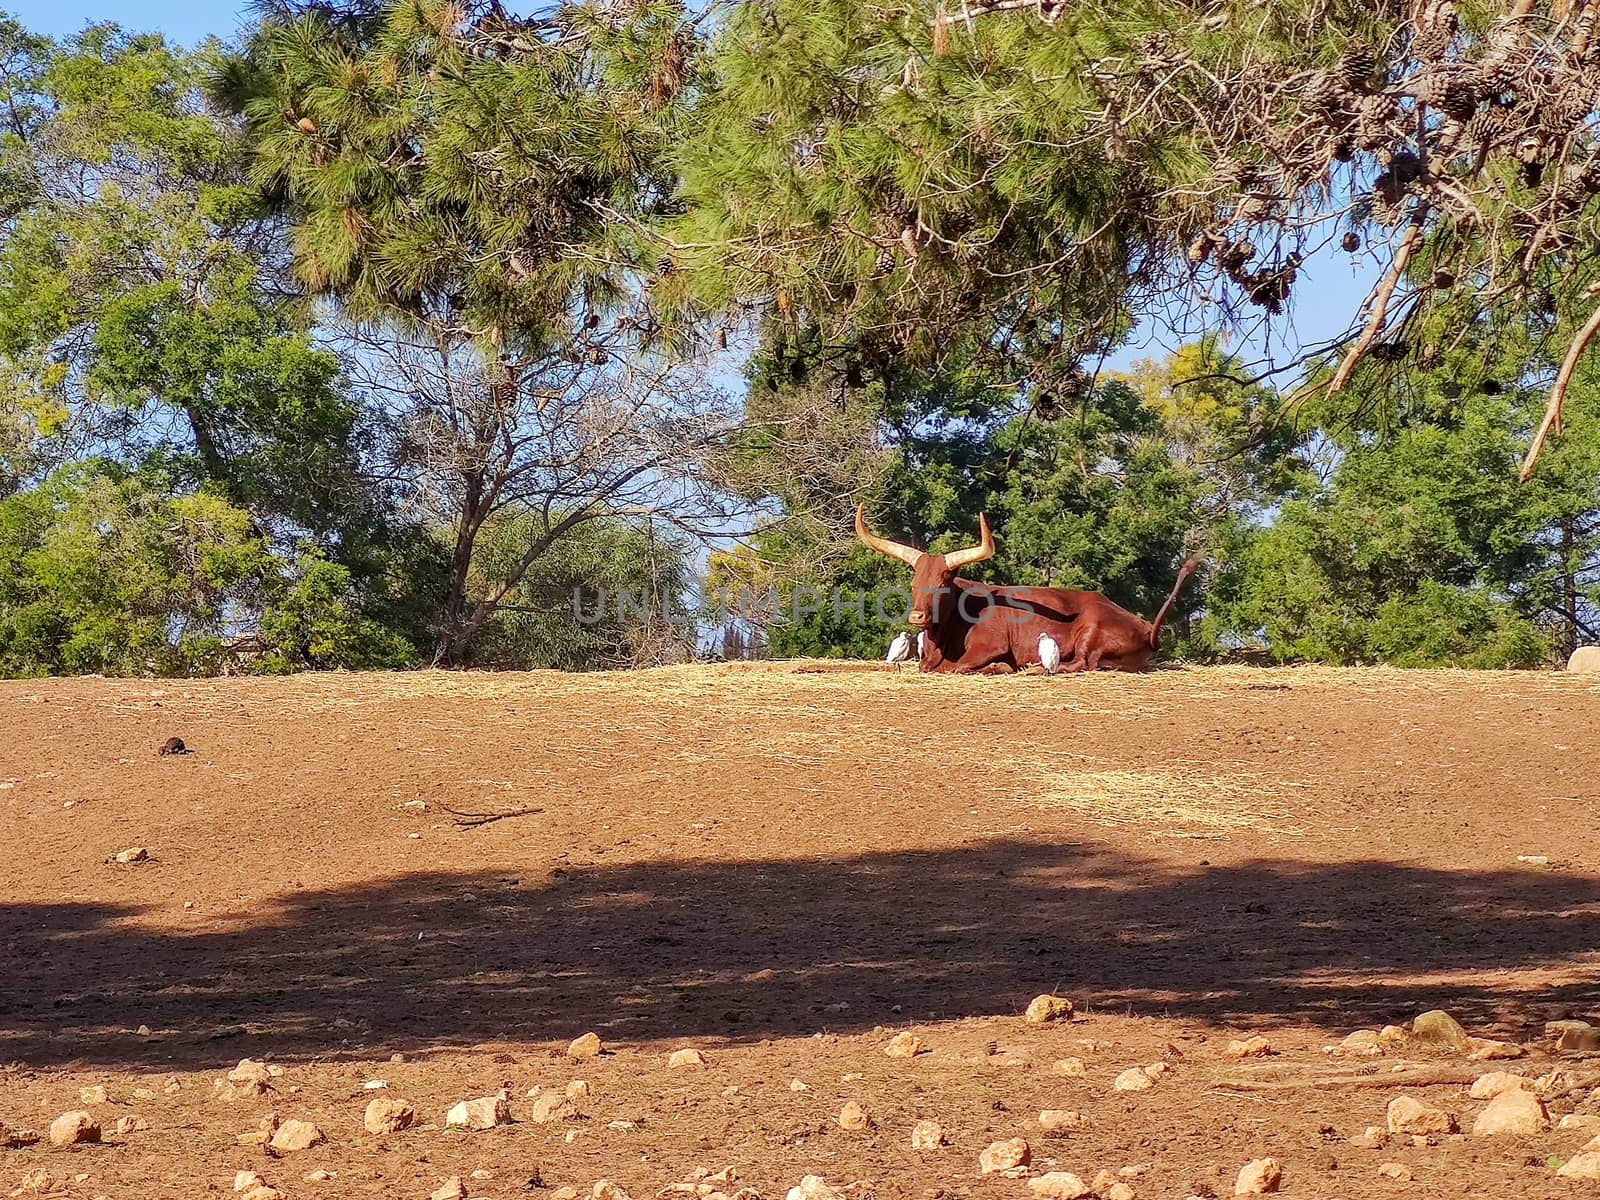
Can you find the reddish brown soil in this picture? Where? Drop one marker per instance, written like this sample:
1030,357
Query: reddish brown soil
785,867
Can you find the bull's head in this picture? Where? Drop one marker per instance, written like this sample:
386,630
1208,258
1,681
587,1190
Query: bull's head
931,574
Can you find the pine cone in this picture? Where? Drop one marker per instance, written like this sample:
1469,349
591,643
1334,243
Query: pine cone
1460,100
1200,249
1357,67
884,262
1351,241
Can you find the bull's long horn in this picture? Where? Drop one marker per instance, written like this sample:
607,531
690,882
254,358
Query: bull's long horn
883,545
957,559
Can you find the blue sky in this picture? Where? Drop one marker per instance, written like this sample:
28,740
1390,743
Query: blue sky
186,21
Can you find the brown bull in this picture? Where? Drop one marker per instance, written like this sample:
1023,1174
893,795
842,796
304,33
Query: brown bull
973,627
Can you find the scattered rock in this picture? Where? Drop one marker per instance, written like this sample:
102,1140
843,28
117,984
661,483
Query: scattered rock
1409,1115
1488,1050
1073,1068
1054,1120
318,1176
1103,1179
606,1190
1258,1176
71,1128
1042,1009
812,1187
1513,1112
93,1095
1371,1138
12,1138
388,1115
486,1112
578,1089
1004,1156
1059,1185
927,1135
564,1193
245,1180
1256,1047
250,1078
133,854
1583,1122
587,1046
904,1045
1582,1166
1396,1171
799,1085
1117,1191
1156,1070
1394,1037
1573,1035
1439,1030
1487,1087
687,1057
551,1106
127,1125
296,1135
854,1117
1133,1079
450,1189
1363,1042
173,745
263,1132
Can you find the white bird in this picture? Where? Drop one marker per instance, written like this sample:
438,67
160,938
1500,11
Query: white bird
1049,654
922,638
899,649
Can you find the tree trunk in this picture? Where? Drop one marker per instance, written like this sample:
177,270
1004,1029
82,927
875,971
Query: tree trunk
454,644
1569,591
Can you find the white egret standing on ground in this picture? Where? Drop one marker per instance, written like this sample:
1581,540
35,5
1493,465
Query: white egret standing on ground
1049,654
899,649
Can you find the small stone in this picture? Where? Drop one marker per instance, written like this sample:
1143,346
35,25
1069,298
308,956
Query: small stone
1407,1114
1156,1070
1042,1009
1363,1043
1582,1166
450,1189
1439,1030
486,1112
296,1135
606,1190
143,1031
578,1089
71,1128
587,1046
1583,1122
1574,1035
1393,1037
687,1057
1488,1050
1256,1047
1399,1172
12,1138
249,1078
262,1193
812,1187
799,1085
133,854
1055,1120
1512,1112
388,1115
1258,1176
1371,1138
1004,1156
1133,1079
564,1193
92,1095
1103,1179
1073,1068
1059,1185
1487,1087
904,1045
927,1135
245,1180
1117,1191
854,1117
551,1106
127,1125
317,1176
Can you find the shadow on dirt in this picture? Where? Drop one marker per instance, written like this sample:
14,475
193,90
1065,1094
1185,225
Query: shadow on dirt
774,948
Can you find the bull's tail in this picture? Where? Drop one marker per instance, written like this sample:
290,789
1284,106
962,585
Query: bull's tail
1155,626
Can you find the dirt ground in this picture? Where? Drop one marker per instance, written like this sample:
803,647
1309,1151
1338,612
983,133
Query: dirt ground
783,867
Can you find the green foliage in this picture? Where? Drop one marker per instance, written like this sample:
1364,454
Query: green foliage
606,594
114,573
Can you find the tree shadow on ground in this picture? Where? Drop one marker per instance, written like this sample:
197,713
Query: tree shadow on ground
773,948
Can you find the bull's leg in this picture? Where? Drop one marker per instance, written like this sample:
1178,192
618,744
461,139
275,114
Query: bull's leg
1091,661
997,668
